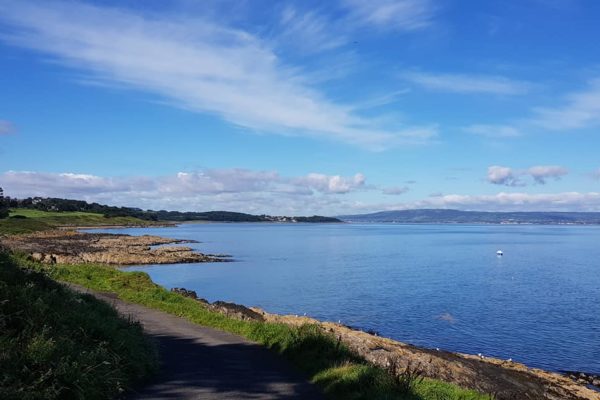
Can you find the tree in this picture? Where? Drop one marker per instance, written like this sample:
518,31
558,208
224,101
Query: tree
3,205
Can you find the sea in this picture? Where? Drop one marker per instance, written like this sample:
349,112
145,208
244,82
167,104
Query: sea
438,286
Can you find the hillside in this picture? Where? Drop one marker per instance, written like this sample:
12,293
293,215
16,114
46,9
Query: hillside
23,220
439,216
83,210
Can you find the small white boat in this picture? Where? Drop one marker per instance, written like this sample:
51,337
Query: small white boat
499,253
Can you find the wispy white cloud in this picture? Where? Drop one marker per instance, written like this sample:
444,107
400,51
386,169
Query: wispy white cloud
463,83
309,31
395,190
581,110
540,174
198,65
493,131
398,15
6,127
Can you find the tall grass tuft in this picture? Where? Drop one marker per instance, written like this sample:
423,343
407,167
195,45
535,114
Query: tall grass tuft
56,344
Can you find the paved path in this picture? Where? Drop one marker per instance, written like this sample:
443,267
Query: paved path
204,363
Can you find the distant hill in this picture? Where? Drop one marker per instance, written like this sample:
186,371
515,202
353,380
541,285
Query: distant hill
439,216
67,205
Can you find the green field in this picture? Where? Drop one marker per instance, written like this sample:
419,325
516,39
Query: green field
319,356
24,220
29,213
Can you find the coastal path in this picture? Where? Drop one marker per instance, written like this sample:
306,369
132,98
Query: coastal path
203,363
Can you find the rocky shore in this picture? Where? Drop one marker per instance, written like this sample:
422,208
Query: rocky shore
506,380
73,247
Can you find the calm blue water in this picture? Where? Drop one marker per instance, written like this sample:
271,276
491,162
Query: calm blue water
431,285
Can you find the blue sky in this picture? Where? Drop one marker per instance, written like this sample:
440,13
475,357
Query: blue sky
300,107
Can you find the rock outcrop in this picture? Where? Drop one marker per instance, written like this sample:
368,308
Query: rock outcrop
72,247
583,378
231,310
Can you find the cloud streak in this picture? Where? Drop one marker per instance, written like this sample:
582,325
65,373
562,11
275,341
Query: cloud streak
198,65
395,190
493,131
467,84
580,110
395,15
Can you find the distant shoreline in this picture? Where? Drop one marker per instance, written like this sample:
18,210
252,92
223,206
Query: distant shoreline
447,216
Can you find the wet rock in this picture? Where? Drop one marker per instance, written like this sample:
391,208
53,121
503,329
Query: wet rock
584,378
184,292
236,311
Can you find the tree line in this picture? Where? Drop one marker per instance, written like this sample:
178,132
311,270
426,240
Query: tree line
4,205
64,205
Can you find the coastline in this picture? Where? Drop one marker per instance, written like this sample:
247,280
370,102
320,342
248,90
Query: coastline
73,247
485,374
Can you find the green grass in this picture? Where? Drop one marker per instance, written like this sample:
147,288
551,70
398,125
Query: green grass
57,344
24,220
30,213
11,226
324,360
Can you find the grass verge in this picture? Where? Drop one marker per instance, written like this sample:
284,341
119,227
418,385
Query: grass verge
328,363
57,344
